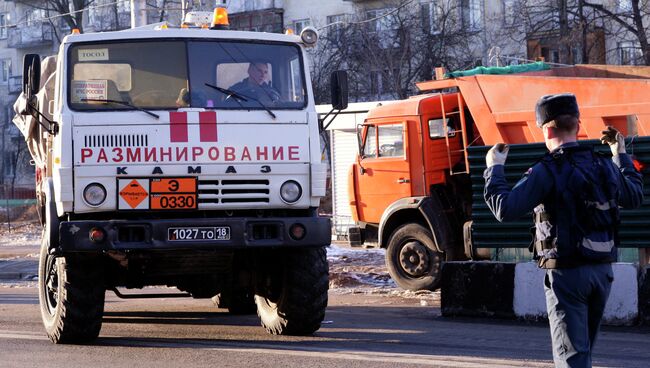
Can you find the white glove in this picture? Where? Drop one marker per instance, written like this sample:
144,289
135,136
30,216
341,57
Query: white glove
497,155
615,140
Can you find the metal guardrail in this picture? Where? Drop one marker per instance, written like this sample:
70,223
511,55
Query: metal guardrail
487,232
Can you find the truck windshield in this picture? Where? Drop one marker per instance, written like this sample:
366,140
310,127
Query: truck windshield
176,74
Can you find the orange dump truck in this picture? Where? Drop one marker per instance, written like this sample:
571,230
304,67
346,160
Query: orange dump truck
416,187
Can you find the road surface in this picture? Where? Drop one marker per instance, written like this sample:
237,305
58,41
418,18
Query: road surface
361,329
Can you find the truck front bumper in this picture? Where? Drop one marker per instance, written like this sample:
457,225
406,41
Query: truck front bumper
75,236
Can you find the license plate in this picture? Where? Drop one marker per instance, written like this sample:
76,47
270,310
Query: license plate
173,194
198,233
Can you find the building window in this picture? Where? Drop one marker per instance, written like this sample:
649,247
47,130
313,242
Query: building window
34,17
509,12
124,6
6,70
624,5
299,25
379,21
375,83
336,25
9,164
472,14
432,16
93,15
382,24
3,25
629,53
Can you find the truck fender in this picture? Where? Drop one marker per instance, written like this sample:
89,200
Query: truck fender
51,226
428,210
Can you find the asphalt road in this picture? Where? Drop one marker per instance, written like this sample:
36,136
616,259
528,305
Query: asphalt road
360,330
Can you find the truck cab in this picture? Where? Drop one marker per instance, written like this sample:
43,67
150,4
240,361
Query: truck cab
410,151
185,157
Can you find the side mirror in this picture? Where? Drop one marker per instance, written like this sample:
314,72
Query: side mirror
339,88
31,74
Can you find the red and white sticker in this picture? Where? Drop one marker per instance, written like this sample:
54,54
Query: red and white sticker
89,89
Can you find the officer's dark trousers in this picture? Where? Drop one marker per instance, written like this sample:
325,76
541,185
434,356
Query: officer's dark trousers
575,301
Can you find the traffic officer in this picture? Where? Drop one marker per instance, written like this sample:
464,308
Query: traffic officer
576,287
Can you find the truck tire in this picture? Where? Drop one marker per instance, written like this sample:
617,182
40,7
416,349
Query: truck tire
71,296
412,259
292,300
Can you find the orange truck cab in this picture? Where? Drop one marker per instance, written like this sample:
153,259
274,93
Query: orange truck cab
414,188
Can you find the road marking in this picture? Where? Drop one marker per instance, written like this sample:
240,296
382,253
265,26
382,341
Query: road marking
22,335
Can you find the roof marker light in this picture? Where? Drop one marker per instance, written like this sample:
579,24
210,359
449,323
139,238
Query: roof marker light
220,18
289,31
75,31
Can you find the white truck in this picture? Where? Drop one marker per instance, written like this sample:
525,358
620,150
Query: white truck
151,170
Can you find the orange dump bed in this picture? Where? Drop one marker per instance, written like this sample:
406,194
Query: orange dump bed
502,106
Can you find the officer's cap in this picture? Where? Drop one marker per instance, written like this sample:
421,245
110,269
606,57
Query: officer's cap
551,106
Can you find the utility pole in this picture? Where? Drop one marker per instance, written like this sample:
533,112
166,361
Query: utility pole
138,13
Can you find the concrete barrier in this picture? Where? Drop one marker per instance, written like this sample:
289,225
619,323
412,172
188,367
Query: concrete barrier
477,289
622,306
517,290
644,295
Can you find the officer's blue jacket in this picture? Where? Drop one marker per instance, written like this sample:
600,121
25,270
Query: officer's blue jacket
537,188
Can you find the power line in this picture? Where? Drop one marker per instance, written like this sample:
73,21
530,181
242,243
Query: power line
408,2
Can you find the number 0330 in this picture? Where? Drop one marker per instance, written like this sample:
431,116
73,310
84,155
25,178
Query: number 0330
173,201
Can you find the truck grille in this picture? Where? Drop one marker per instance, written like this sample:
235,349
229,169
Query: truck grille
116,140
233,191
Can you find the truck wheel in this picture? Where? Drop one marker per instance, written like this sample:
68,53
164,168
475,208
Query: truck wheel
71,296
411,258
292,300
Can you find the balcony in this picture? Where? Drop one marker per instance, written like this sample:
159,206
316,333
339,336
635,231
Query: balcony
16,84
30,36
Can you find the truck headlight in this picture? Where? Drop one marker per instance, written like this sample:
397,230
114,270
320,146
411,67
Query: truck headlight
290,191
94,194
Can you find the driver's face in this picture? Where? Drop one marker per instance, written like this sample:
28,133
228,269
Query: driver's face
258,72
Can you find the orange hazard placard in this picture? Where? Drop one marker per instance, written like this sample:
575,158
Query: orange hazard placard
133,193
173,185
173,201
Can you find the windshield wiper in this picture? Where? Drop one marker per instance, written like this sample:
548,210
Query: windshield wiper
227,92
238,97
123,103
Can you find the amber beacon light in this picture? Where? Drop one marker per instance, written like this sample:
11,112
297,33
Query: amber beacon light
220,19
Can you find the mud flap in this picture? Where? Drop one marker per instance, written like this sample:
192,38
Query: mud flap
51,227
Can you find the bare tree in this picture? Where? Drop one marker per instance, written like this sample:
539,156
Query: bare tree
629,22
387,50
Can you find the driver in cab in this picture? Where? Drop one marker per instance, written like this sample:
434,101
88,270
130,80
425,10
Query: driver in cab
257,85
